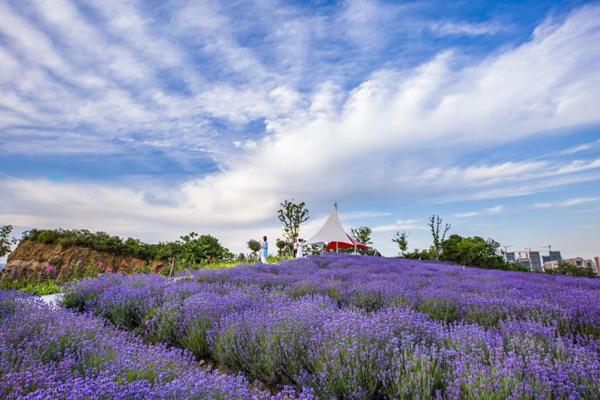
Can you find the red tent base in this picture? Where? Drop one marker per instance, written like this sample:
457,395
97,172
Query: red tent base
332,246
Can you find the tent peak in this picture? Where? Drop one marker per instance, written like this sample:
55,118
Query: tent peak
333,232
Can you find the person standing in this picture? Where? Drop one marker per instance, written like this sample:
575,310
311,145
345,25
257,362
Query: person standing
264,253
299,253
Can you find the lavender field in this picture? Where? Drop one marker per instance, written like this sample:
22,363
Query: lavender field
327,327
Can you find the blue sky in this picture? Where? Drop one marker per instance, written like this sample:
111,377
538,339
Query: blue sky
156,118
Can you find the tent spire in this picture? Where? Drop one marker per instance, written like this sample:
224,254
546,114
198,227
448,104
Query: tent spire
333,233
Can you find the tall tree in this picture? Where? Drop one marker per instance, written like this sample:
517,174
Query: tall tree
5,240
292,215
435,223
401,239
362,234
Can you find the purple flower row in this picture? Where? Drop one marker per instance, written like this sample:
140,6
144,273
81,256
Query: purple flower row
50,353
361,327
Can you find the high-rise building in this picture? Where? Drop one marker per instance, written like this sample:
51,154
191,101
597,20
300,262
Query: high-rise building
535,261
510,256
552,256
523,259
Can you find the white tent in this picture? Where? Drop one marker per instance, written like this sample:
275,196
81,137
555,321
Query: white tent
333,232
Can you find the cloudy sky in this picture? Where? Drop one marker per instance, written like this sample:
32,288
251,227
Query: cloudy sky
157,118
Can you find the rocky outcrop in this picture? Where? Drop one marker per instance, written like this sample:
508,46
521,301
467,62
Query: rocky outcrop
33,261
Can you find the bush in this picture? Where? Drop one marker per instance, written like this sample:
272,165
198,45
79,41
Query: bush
192,249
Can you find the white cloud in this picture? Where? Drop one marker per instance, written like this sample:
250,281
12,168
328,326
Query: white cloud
400,225
485,211
578,200
581,147
495,209
575,201
467,214
364,215
466,28
403,132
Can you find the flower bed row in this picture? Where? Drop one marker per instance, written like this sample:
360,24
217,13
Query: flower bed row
48,353
445,292
330,327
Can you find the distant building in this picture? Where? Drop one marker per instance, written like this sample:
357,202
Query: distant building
536,261
529,259
523,259
597,261
581,262
552,256
553,264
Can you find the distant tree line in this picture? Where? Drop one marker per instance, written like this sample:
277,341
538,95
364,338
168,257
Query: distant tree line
469,251
473,251
572,270
190,250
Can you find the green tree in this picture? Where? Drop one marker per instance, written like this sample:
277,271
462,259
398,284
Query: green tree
196,249
573,270
451,250
5,240
254,246
362,234
435,223
420,254
282,247
401,239
473,251
292,215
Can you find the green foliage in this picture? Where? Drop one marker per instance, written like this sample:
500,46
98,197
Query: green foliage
5,240
39,288
421,254
401,239
362,234
195,339
292,215
161,325
435,223
512,266
196,249
284,249
192,249
573,270
473,251
254,246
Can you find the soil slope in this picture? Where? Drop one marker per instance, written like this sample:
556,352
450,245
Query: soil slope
33,261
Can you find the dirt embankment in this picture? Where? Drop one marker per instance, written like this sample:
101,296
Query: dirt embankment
33,261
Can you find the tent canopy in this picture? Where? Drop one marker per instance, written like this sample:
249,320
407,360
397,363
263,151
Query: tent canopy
333,233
